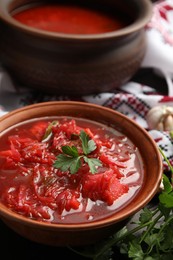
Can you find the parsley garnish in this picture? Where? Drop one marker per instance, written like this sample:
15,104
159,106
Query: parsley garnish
71,160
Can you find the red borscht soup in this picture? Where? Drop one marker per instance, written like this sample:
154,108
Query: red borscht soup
69,19
67,170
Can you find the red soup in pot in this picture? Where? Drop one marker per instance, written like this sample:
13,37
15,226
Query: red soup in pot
70,19
67,170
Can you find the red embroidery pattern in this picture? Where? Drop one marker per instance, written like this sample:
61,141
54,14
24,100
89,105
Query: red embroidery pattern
160,21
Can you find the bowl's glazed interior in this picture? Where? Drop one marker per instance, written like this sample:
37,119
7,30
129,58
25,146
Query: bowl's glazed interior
74,64
86,233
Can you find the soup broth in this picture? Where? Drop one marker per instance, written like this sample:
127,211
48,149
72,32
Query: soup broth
70,19
32,185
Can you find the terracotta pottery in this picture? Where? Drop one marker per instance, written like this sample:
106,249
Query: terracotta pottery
74,64
90,232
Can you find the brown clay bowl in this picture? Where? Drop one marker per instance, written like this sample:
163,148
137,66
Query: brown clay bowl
74,64
77,234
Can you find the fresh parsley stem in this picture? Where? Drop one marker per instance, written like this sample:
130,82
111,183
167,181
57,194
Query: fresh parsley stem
166,159
168,162
115,240
155,212
153,223
166,223
112,242
159,234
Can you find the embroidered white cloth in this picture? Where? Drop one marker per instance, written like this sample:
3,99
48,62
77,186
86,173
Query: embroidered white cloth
132,99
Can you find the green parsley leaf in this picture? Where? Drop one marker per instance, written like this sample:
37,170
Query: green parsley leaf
166,199
71,160
66,163
135,250
145,215
71,151
92,162
166,183
88,145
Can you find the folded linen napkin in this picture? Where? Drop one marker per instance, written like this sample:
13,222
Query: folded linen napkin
132,99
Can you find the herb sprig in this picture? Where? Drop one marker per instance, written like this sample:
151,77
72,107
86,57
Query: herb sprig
48,132
71,160
149,235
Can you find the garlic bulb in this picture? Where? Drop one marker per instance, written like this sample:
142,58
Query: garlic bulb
160,118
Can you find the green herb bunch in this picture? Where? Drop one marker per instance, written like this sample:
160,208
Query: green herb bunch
151,237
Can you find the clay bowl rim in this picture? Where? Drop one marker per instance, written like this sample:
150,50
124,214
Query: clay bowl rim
121,215
138,24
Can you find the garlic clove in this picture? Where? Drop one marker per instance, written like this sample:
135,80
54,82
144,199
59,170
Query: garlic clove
160,118
168,123
154,116
168,110
160,126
